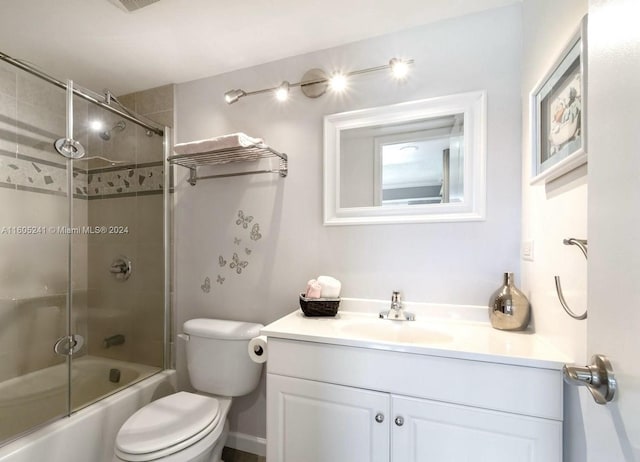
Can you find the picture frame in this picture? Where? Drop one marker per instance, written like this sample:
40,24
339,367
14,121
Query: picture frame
559,111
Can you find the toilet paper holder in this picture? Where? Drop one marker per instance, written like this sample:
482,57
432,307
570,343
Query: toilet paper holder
258,350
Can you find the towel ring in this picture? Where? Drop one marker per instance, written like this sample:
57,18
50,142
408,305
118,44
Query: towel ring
582,245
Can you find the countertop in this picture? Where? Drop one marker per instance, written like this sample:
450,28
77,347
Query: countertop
434,336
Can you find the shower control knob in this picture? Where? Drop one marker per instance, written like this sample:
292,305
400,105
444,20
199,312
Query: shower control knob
399,421
121,268
379,417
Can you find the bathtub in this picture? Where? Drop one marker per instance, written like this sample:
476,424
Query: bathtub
89,434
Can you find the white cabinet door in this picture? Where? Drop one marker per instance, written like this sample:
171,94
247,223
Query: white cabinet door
311,421
441,432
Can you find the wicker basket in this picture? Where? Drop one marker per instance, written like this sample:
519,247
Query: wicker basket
319,306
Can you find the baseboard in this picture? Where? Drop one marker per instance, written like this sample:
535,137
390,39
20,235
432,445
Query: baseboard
247,443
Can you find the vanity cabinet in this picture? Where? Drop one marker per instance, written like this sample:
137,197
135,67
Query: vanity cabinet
333,403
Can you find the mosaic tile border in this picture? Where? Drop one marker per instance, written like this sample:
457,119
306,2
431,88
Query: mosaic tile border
125,180
25,173
36,175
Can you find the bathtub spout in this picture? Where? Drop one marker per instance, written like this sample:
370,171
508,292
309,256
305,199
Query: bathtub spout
117,339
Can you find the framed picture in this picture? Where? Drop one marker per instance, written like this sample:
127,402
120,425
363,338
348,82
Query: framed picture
558,113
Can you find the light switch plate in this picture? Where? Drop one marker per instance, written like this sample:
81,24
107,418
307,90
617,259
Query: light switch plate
527,250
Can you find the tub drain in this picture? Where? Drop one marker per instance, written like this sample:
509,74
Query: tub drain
114,375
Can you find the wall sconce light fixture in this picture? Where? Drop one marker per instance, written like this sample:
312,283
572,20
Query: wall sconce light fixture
315,82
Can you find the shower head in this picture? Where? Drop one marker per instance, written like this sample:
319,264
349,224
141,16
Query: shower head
106,135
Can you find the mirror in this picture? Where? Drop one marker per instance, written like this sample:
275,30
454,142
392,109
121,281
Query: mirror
414,162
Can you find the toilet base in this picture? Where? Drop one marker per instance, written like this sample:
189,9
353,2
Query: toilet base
216,455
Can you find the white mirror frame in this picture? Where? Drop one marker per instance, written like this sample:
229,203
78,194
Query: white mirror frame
474,107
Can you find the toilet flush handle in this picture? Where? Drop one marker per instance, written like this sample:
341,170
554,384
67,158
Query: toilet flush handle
184,337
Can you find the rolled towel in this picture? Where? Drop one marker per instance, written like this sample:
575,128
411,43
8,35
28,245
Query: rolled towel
314,290
330,287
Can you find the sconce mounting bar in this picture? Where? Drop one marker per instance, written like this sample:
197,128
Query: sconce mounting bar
322,78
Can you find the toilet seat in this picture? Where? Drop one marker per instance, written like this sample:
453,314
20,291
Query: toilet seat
168,425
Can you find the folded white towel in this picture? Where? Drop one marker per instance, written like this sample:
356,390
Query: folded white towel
235,140
330,287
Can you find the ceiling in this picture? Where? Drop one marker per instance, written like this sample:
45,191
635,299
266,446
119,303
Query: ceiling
101,45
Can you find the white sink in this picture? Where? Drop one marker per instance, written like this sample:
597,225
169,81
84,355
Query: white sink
428,335
393,331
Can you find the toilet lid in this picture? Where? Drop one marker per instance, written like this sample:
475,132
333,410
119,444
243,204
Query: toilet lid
167,422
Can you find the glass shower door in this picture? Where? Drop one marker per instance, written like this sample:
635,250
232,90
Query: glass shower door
76,323
118,255
33,253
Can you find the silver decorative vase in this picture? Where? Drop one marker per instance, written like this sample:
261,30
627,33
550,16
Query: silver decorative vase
509,308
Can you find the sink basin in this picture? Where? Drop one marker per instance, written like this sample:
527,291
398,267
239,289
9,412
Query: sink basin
394,331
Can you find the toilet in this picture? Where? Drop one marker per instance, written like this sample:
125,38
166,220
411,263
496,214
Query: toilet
192,427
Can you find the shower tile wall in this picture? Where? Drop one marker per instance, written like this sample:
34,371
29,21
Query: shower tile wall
134,307
33,270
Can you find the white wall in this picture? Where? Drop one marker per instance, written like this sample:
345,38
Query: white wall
442,262
554,212
558,210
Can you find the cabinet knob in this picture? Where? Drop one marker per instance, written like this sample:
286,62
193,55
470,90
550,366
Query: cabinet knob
379,417
399,421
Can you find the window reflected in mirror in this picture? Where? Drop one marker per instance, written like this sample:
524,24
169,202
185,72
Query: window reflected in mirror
412,163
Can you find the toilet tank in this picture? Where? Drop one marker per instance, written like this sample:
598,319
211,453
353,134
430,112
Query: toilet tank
218,358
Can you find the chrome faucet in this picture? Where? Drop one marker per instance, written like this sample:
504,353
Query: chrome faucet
396,311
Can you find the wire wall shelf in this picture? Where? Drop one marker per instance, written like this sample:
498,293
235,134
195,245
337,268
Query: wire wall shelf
230,155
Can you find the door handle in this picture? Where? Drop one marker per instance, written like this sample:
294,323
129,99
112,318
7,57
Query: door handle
598,377
68,345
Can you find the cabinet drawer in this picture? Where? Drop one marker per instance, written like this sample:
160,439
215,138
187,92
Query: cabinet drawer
517,389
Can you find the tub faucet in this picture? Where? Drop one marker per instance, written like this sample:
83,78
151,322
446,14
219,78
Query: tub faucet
396,311
117,339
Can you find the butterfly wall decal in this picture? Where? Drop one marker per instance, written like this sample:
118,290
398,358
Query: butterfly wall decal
221,261
243,220
206,286
238,264
220,279
255,232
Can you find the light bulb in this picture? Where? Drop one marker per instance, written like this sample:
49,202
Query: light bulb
282,92
232,96
399,68
96,125
338,82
